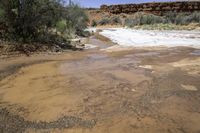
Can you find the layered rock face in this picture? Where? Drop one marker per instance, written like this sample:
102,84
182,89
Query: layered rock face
155,8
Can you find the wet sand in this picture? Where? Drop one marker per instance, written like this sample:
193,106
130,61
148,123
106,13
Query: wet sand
138,90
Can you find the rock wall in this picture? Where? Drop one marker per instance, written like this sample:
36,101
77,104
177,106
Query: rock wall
155,8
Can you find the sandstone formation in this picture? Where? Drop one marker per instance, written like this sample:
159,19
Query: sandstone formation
156,8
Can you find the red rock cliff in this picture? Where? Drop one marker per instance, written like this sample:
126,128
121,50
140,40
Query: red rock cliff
157,8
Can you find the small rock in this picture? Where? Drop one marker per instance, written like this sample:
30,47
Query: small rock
189,87
133,90
146,67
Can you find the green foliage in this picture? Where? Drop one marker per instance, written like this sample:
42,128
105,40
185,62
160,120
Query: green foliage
77,17
61,26
182,18
171,18
134,20
194,17
130,22
168,18
104,21
186,19
115,20
84,33
94,23
143,19
27,19
150,19
1,14
40,20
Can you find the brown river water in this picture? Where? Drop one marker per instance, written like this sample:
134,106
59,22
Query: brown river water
141,90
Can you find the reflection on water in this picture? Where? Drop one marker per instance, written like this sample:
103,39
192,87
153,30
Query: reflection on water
95,62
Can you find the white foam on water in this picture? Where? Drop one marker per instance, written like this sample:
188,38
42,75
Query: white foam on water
150,38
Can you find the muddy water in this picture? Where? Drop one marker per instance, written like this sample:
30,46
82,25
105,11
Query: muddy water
140,90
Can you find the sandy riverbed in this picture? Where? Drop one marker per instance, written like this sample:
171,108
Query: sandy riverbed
138,90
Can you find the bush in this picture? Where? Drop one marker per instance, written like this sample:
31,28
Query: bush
143,19
94,23
151,19
77,17
1,14
104,21
115,20
192,18
27,19
182,18
85,33
61,26
30,21
130,22
170,17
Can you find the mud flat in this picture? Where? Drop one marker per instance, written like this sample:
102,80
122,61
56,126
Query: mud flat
131,90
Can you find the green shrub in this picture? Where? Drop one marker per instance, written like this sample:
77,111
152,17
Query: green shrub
78,18
115,20
193,18
84,33
27,19
61,26
170,17
130,22
30,20
94,23
133,20
104,21
1,13
151,19
143,19
182,18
